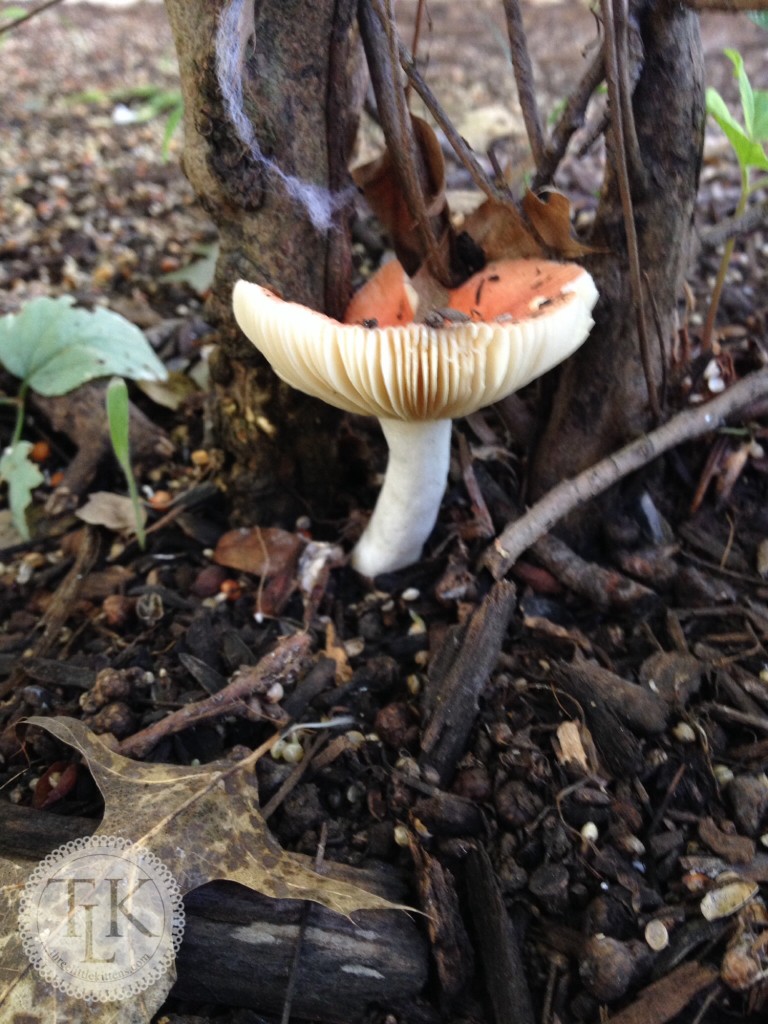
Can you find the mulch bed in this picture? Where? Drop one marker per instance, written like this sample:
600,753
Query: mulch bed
569,774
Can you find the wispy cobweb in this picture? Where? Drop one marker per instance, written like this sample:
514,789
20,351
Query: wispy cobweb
236,27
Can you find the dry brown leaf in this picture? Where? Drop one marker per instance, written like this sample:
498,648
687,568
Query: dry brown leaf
115,511
500,231
381,188
264,552
551,219
203,823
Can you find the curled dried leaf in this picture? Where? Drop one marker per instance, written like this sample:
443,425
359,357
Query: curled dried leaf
381,186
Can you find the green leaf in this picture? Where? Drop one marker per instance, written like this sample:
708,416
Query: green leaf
174,119
55,348
118,417
745,90
22,476
199,273
760,127
119,422
748,152
760,18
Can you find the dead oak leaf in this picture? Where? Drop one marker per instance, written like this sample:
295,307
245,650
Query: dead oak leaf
24,994
203,822
550,215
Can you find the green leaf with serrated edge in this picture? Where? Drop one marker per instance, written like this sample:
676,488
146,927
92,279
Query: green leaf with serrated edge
21,476
745,90
748,153
54,347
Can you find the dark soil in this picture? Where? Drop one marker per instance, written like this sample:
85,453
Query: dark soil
615,772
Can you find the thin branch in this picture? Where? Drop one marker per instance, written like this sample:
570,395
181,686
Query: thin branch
302,931
754,218
727,5
569,122
415,44
283,664
626,88
459,146
28,16
526,91
615,105
517,537
381,50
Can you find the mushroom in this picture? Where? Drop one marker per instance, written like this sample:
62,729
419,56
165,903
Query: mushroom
502,328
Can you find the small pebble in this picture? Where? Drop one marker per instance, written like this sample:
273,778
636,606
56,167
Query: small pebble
656,935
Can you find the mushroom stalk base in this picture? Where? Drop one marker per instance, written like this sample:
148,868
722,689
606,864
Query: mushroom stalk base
409,502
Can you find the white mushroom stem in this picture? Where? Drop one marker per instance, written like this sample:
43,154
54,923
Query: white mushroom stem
409,502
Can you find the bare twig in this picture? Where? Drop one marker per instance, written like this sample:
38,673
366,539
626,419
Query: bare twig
379,36
571,119
568,495
294,778
303,922
415,43
457,143
606,588
626,86
521,63
754,218
659,337
727,5
284,664
26,17
614,81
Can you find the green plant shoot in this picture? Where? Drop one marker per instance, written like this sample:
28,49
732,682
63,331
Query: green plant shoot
118,418
53,348
747,140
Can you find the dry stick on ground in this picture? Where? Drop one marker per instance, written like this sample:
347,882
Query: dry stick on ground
526,92
616,112
303,922
569,122
458,676
381,50
518,536
605,588
498,944
284,665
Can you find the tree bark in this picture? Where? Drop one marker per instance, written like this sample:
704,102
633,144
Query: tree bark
602,395
299,95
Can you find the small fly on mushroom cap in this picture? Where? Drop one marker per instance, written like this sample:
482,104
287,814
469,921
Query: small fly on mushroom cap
502,328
